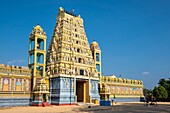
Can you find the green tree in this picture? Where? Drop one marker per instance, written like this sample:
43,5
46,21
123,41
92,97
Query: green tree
166,84
147,92
160,92
163,82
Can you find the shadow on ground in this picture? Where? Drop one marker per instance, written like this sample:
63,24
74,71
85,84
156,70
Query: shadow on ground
125,108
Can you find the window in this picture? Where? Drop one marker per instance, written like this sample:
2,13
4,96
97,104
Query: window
31,58
78,50
98,67
32,44
40,44
97,57
81,72
79,60
40,58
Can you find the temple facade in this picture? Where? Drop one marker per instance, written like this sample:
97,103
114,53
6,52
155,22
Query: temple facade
70,64
69,71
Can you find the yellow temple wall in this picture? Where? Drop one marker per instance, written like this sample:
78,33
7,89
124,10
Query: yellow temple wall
14,81
120,87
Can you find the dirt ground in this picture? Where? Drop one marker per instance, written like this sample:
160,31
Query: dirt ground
118,107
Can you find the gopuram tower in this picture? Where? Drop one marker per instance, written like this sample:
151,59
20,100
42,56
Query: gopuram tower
70,64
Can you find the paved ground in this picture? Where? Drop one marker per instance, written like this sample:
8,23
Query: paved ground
119,107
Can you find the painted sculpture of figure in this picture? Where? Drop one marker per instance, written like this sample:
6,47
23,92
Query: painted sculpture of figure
5,85
18,85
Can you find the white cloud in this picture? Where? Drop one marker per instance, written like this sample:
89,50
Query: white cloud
15,62
145,73
20,61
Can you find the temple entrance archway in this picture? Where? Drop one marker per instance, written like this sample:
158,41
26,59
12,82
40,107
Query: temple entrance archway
81,90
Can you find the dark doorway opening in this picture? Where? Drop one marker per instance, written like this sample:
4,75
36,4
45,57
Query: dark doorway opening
44,98
80,91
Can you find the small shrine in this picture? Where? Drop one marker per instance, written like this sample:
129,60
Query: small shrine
41,94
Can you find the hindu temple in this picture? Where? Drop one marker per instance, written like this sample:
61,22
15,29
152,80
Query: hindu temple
69,71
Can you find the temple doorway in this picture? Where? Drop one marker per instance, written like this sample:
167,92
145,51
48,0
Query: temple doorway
44,98
81,90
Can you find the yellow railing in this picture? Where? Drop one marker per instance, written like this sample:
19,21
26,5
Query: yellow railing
111,79
15,70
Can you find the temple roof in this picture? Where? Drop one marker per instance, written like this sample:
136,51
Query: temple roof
37,28
94,43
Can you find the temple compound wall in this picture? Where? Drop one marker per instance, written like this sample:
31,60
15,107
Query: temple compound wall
15,86
121,89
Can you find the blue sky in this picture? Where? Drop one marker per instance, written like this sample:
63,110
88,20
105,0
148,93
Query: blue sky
133,34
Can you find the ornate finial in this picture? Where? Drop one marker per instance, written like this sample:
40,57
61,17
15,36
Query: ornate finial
38,27
61,9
